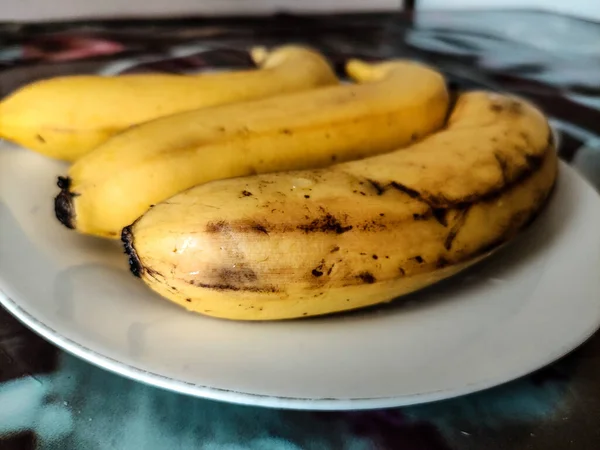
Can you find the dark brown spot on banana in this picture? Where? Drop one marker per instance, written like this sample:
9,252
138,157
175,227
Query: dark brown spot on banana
441,263
366,277
231,287
325,224
40,138
440,215
377,186
240,226
246,193
255,226
419,259
335,249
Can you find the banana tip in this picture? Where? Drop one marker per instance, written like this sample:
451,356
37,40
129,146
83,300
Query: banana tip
359,70
63,203
259,54
135,266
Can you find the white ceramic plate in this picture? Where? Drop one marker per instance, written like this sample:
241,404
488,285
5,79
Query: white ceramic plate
529,304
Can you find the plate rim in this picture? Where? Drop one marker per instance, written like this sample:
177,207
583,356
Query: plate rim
249,399
154,379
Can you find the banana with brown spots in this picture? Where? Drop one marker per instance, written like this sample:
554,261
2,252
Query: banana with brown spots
393,104
313,242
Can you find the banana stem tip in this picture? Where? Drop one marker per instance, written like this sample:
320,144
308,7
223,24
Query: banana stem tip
63,203
135,265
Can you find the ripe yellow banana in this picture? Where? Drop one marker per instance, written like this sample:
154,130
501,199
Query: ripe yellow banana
66,117
305,243
115,184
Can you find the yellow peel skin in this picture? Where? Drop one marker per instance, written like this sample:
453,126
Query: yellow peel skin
109,188
313,242
66,117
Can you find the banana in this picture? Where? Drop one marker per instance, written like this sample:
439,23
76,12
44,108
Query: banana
313,242
66,117
112,186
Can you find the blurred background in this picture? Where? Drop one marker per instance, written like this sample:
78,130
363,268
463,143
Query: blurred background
36,10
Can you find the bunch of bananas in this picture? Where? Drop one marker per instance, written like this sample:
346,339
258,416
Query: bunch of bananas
281,193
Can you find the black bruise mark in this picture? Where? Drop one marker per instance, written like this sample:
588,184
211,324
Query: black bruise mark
246,193
231,287
534,162
316,273
335,249
496,107
259,228
366,277
414,137
402,272
306,196
325,224
440,215
418,259
456,228
155,274
330,269
188,299
377,186
420,216
375,257
406,190
440,201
